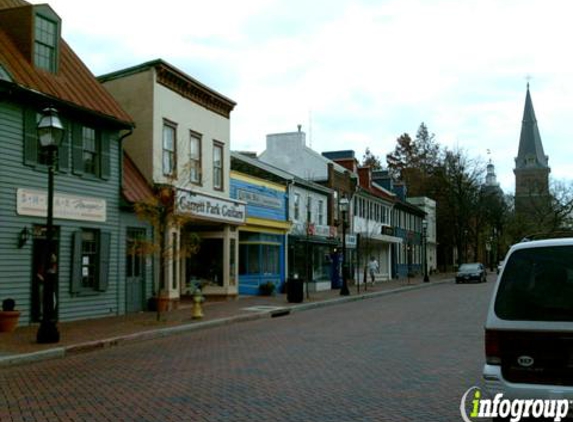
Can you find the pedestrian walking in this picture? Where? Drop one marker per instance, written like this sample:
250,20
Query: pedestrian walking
372,269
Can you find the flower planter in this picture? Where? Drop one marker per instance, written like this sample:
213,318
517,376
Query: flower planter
163,304
8,321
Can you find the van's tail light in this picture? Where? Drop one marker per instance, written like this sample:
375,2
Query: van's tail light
492,347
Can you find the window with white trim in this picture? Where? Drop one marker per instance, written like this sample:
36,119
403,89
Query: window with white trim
195,158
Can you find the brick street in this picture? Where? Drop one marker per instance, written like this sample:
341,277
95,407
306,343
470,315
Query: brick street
403,357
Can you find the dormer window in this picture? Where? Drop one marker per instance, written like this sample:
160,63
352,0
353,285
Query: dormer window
45,43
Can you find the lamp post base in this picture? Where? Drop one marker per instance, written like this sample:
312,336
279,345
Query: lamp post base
344,289
426,279
48,333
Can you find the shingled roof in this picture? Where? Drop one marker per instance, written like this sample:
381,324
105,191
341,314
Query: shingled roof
134,186
73,83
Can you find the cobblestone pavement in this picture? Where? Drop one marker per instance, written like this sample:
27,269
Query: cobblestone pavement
86,331
403,357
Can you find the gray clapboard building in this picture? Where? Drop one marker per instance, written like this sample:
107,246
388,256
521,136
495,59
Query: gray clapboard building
37,70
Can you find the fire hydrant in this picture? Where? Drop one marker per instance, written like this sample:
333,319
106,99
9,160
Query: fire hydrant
198,300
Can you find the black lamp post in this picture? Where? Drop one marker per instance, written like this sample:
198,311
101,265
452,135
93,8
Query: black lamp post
50,134
344,204
425,239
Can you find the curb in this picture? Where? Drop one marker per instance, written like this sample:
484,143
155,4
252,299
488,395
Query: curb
60,352
364,296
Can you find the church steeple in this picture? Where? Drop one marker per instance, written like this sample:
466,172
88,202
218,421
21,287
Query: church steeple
530,154
531,164
491,178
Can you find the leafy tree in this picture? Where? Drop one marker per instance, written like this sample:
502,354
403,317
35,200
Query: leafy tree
402,156
414,161
369,159
428,150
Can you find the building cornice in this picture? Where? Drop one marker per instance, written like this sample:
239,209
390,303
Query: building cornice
191,89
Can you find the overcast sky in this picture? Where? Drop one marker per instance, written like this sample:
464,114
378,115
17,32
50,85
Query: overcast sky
356,73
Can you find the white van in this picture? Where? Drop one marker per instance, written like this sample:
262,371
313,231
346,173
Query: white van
529,327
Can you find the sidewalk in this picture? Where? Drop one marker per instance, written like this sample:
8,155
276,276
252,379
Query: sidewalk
81,336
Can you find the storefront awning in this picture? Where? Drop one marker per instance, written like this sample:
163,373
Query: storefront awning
385,238
315,239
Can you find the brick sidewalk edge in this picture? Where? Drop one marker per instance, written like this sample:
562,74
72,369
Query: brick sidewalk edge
59,352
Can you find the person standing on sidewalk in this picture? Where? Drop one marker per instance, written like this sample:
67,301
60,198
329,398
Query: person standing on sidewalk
372,269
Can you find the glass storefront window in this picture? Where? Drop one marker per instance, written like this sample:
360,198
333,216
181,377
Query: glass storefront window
259,259
321,262
207,264
270,257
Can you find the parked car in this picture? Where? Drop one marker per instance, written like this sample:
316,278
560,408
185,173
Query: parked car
471,272
529,326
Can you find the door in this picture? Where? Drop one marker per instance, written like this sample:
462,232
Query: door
134,271
40,264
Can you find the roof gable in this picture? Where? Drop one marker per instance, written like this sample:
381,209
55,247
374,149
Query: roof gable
73,83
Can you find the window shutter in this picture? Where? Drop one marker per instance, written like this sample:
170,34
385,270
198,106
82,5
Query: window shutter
30,138
76,281
77,149
105,154
103,274
64,149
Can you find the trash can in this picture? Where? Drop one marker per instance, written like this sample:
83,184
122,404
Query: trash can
295,290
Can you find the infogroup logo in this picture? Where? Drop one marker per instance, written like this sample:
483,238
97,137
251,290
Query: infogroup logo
515,409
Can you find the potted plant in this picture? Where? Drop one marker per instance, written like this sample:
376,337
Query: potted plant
8,316
267,289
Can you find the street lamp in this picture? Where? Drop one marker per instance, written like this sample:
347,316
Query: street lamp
344,204
425,239
50,135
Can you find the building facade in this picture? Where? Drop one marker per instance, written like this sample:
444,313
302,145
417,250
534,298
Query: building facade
136,235
289,151
371,219
262,240
181,145
428,206
37,70
312,245
407,223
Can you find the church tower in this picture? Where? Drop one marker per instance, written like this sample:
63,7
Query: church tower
531,164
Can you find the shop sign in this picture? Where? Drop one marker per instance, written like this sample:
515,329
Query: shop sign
351,241
210,207
300,229
70,207
262,200
322,231
387,230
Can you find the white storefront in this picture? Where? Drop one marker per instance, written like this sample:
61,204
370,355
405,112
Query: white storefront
214,221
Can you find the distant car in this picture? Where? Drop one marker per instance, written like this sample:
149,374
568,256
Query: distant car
471,272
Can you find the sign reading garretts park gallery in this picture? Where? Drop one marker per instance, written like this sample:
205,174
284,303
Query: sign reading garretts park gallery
209,207
70,207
